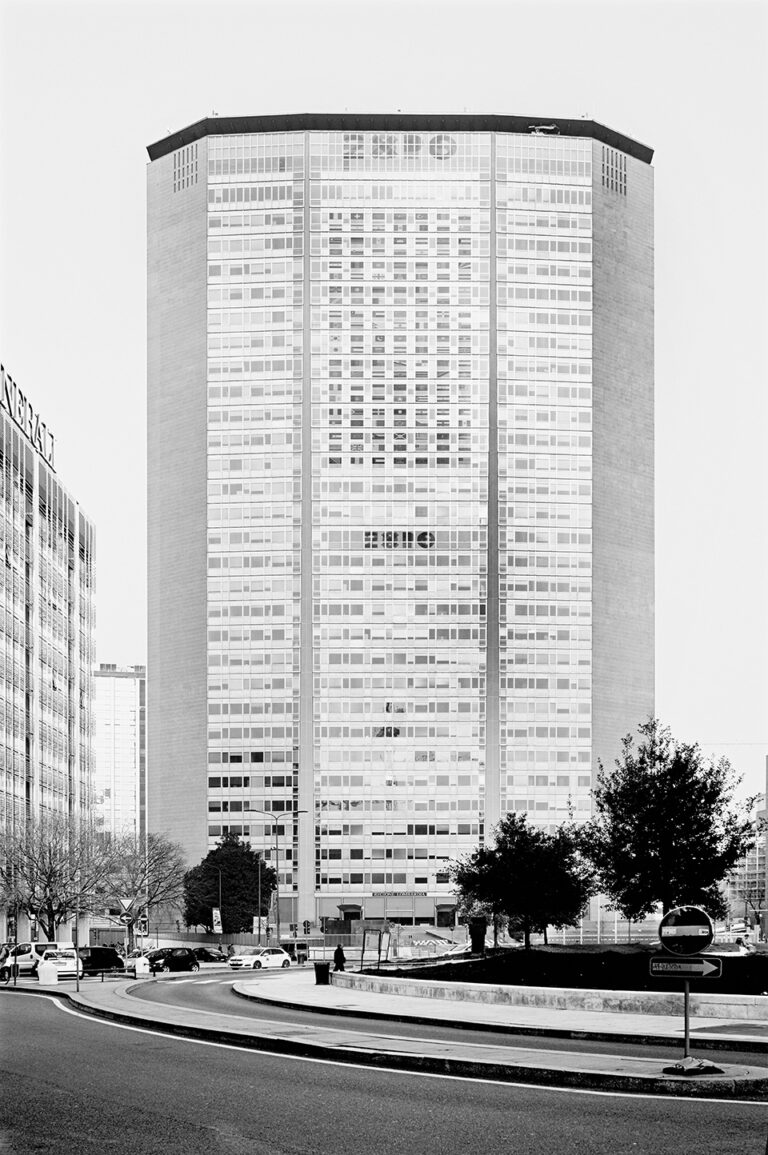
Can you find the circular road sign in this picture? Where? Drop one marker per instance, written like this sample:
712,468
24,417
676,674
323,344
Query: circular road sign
686,930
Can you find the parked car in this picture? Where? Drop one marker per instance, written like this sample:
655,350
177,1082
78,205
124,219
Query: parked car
132,959
256,957
174,958
209,956
297,950
97,959
26,955
65,960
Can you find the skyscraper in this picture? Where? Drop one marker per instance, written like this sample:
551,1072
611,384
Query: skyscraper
400,488
47,626
119,779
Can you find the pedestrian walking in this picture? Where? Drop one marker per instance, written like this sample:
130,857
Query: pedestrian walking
338,958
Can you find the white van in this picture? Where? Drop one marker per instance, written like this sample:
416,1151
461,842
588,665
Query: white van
28,954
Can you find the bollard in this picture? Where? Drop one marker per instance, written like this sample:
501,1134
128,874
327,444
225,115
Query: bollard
47,974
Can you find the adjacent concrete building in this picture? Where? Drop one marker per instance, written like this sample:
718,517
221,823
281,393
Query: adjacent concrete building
400,488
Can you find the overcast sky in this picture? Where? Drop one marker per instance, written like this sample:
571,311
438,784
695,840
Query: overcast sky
84,89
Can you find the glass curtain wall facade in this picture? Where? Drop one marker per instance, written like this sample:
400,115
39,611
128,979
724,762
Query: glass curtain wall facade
46,629
399,426
119,798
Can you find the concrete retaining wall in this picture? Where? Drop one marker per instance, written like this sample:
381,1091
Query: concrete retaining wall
753,1007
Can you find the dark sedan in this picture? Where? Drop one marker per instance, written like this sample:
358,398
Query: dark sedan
210,956
177,958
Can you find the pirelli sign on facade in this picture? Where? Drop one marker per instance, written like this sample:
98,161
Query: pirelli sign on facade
28,420
399,539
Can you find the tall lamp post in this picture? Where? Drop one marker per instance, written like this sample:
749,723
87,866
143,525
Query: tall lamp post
288,814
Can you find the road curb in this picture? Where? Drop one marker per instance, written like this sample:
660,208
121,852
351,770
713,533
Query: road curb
669,1086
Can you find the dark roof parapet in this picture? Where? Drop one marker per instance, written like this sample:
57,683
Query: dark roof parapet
402,122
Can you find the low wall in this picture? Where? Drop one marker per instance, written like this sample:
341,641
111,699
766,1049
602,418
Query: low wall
754,1007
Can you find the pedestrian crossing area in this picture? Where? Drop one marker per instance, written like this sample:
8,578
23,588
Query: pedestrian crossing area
206,982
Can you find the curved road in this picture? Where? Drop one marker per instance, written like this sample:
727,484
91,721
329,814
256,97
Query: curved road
78,1085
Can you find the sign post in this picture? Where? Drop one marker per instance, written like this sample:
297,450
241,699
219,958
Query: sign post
684,932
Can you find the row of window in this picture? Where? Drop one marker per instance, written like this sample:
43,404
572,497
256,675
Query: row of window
379,879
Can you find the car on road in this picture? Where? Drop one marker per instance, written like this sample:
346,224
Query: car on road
256,957
174,958
65,960
209,956
100,959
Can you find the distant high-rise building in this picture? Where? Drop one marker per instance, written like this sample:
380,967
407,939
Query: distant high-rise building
119,785
47,627
400,475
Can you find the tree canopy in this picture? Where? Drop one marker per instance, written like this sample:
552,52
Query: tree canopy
59,864
230,871
55,865
529,877
667,829
148,874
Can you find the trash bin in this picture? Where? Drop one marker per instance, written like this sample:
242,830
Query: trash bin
141,967
47,974
477,929
322,974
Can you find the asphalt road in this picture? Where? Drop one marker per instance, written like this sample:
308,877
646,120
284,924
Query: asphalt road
75,1085
212,992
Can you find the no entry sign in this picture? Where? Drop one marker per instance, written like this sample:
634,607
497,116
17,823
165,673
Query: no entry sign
686,930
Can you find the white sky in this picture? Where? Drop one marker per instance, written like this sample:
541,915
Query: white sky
85,87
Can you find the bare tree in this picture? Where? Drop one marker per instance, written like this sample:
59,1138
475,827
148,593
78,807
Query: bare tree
149,874
54,867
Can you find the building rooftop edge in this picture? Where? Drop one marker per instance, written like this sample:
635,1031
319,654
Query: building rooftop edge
402,122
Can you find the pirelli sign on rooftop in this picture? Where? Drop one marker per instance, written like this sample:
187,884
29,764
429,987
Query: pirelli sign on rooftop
29,421
436,124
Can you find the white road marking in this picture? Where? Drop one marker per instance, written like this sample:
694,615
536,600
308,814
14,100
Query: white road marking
401,1071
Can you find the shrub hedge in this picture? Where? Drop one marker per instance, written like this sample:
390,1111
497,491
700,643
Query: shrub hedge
599,968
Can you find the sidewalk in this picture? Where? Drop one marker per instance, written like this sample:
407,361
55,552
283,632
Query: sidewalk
511,1062
721,1034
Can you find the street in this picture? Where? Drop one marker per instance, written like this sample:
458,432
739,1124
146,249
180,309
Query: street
75,1084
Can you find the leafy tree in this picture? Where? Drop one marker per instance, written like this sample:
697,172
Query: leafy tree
232,870
667,829
528,877
55,866
148,873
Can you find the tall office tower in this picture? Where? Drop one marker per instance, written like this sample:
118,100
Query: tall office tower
119,780
46,627
400,488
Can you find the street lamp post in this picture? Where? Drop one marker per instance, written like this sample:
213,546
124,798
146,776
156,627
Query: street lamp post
270,814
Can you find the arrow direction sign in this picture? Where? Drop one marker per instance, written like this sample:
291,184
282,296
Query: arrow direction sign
689,968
